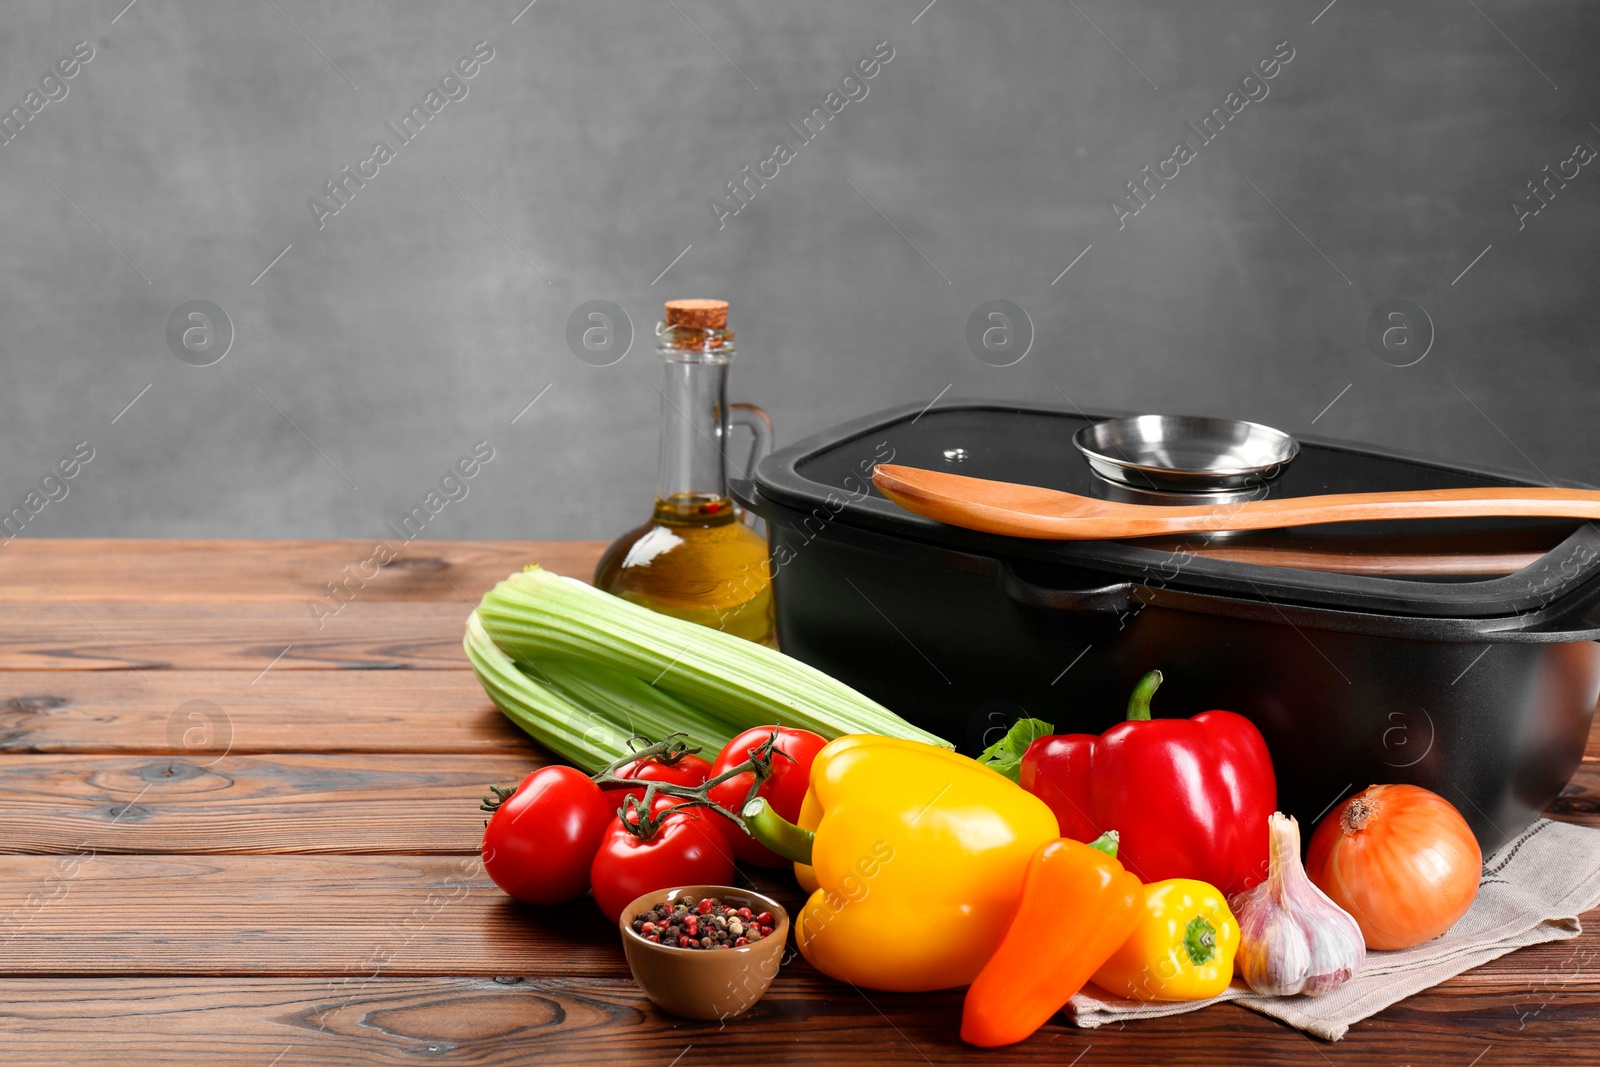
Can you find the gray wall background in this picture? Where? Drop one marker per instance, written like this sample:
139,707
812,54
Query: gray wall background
408,328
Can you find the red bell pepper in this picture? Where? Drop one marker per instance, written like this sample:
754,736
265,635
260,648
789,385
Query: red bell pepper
1190,797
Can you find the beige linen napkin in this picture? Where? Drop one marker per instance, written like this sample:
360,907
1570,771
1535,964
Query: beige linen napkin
1533,890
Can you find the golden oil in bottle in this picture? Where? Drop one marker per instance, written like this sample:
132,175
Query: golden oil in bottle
697,559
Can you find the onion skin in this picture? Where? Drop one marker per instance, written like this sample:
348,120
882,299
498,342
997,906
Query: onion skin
1401,860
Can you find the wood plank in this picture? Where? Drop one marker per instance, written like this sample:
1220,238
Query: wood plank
284,915
207,713
200,803
804,1019
295,803
118,569
107,914
247,635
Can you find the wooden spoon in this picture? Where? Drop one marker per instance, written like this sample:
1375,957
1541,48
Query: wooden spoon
1049,514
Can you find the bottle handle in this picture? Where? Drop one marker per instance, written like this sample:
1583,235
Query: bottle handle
759,423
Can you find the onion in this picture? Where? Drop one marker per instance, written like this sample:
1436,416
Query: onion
1401,860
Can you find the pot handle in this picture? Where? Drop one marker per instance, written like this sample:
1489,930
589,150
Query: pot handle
1111,599
744,493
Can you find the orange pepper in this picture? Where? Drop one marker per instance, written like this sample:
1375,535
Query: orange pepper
1077,908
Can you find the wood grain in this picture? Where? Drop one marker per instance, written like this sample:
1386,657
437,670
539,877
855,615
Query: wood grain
514,1020
115,569
253,635
374,804
203,714
250,886
109,914
285,915
298,803
1016,510
113,712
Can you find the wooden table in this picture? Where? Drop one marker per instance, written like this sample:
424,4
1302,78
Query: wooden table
240,830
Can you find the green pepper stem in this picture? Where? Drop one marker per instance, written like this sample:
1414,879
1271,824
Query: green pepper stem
1200,940
777,833
1139,702
1107,843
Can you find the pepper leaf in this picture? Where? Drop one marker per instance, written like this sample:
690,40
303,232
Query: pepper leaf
1005,755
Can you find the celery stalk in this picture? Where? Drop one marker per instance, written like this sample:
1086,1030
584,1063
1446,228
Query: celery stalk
633,704
587,740
539,616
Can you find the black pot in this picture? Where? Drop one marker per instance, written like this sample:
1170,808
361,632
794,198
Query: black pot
1480,689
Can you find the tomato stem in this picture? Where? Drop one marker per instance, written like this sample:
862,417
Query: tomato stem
670,751
639,820
501,795
636,813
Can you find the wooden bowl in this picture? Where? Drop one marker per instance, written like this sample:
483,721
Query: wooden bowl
705,983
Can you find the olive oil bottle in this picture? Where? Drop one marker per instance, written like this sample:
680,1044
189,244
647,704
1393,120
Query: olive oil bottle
697,558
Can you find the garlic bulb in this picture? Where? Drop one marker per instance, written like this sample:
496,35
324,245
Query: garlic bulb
1292,938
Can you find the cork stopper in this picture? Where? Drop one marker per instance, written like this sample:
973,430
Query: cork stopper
700,314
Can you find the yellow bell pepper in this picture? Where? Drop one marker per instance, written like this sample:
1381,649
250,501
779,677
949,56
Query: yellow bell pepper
916,857
1182,948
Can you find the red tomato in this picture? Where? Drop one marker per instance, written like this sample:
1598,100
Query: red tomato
784,790
688,769
540,842
687,848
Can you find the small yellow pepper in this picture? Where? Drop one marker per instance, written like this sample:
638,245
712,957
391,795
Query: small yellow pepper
1182,948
